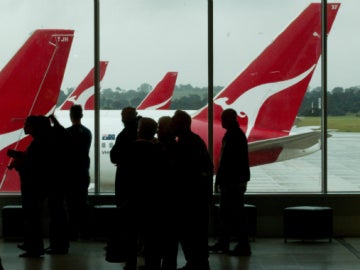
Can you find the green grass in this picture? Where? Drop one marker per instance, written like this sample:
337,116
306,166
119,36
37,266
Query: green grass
349,123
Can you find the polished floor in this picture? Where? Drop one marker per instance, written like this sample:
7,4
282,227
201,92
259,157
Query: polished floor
268,253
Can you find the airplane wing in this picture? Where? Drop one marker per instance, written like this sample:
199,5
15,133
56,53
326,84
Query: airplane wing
287,147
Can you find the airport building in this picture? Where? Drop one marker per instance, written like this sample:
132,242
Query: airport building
289,71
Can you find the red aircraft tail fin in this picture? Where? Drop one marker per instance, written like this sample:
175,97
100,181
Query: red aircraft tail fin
84,93
160,97
268,93
30,85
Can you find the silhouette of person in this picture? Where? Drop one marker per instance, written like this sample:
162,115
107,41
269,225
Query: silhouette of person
231,180
79,178
144,185
119,151
195,171
58,219
118,155
34,167
169,195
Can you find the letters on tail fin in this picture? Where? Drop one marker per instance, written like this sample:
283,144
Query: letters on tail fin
268,93
160,97
30,85
84,93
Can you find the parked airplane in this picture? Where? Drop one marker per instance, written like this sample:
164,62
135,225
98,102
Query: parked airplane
267,96
29,84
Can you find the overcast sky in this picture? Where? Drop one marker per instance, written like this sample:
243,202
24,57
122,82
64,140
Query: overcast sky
143,39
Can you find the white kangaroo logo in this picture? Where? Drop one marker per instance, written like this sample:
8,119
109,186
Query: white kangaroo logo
155,107
251,101
81,100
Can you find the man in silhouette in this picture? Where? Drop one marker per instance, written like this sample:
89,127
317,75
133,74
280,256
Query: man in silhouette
231,180
77,192
195,171
35,170
144,196
119,153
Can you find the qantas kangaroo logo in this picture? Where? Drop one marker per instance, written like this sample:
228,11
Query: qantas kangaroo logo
156,106
251,101
83,97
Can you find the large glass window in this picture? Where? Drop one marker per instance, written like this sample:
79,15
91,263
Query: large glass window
34,76
344,101
143,40
269,84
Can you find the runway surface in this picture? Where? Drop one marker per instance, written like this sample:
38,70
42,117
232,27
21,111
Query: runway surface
304,174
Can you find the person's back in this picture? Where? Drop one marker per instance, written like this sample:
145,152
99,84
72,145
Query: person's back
116,251
143,179
120,151
79,138
34,170
231,180
195,169
81,141
169,194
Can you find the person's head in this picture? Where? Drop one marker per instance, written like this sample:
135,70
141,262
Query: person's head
181,122
229,118
35,125
165,131
76,113
128,115
30,125
147,128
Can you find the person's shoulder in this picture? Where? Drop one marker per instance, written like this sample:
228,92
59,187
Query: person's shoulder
85,128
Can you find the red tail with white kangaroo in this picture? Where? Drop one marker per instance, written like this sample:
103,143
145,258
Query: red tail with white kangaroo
30,85
268,93
84,93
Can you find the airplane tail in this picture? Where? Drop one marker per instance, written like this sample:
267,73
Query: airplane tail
268,93
84,93
160,97
29,85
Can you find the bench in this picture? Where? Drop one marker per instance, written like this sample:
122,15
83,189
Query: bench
308,222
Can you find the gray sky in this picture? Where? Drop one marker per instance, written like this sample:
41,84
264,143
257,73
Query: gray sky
144,39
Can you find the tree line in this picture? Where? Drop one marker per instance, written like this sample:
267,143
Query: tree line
341,101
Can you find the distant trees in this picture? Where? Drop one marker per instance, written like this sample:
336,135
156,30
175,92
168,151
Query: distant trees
340,101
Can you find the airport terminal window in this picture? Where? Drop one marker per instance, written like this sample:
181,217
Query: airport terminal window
20,20
242,30
344,101
142,41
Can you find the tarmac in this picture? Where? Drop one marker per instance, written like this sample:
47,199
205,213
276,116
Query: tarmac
304,174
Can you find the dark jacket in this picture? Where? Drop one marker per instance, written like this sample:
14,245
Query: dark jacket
234,160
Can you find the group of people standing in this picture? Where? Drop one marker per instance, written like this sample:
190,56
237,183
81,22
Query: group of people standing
44,179
164,187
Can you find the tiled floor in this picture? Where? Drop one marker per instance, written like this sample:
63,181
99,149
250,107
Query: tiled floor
268,253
